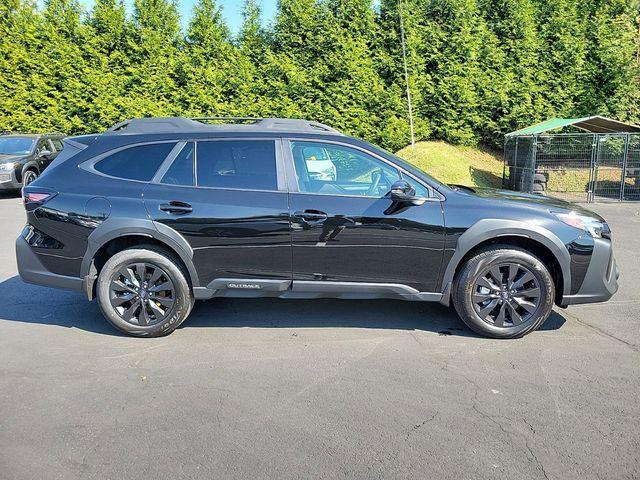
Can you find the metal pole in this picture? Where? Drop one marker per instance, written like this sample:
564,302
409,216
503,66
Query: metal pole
512,181
625,161
504,163
596,163
534,154
406,73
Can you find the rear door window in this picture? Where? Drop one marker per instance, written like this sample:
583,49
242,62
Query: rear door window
135,163
239,164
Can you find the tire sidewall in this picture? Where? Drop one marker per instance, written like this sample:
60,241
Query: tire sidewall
181,309
26,175
478,264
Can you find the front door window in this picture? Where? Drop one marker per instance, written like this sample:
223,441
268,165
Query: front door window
330,169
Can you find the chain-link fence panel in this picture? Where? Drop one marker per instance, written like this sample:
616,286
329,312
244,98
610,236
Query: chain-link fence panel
564,166
631,185
581,167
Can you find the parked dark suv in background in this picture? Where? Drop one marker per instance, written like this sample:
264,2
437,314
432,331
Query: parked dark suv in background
23,157
156,213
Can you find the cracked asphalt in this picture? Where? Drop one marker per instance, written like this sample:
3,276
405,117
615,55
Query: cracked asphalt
318,389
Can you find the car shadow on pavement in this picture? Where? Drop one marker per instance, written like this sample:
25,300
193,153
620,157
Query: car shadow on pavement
22,302
9,194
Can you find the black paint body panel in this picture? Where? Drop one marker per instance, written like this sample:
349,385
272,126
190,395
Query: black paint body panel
233,233
358,242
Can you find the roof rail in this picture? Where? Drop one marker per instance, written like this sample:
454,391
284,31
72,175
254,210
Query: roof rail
17,132
226,119
172,124
295,124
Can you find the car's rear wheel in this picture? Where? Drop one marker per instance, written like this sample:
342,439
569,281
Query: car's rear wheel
143,291
503,292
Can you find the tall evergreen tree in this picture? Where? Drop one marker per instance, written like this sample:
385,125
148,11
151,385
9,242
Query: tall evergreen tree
461,55
106,79
476,68
154,45
214,70
514,24
613,69
563,54
62,67
354,97
19,25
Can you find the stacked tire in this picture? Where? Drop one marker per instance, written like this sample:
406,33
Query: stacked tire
539,183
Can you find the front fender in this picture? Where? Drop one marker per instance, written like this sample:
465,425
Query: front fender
487,229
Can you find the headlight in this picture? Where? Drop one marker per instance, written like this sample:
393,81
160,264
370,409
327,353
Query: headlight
9,166
591,225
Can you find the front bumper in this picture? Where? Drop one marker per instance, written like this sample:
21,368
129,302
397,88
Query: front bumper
32,270
601,279
8,180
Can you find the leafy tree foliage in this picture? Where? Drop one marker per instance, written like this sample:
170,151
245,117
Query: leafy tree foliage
476,69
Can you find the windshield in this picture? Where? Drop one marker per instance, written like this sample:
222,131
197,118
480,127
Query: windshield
16,145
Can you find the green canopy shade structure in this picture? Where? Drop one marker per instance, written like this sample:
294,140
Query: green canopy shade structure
598,159
594,124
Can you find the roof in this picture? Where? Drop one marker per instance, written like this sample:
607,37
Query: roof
181,124
594,124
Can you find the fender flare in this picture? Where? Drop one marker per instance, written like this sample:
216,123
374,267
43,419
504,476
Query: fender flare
487,229
113,228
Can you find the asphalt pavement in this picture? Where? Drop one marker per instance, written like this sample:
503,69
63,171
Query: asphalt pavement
317,388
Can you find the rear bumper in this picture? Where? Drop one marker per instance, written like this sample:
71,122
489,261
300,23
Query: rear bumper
601,280
32,270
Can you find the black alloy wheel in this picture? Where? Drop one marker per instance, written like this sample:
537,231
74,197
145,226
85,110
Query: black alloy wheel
506,295
142,294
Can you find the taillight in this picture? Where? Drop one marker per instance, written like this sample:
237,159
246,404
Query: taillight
33,197
36,197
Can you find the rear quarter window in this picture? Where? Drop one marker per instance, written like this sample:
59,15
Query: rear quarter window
135,163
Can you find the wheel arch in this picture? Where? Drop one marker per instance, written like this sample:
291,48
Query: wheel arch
539,241
30,165
115,235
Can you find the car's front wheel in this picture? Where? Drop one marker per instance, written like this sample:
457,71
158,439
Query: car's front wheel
503,292
29,177
143,291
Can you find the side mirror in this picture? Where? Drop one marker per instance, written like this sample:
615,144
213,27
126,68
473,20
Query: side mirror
44,153
403,193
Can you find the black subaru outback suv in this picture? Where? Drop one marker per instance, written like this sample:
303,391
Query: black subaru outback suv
23,157
156,213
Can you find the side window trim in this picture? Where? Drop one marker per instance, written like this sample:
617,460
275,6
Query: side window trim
89,165
293,178
164,166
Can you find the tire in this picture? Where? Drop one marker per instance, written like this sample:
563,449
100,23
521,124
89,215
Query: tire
168,299
28,177
539,178
539,187
478,276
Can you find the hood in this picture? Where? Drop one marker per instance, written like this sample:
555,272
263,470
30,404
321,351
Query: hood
535,201
11,158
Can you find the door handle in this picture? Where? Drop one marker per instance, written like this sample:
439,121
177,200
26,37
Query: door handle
311,215
176,207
